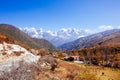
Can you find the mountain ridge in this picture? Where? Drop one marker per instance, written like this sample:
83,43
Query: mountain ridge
92,40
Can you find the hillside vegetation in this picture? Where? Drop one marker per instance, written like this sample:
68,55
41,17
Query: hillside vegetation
18,37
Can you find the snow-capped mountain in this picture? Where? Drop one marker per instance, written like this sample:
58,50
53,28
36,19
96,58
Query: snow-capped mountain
57,38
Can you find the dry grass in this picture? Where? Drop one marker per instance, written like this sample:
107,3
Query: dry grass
65,71
73,71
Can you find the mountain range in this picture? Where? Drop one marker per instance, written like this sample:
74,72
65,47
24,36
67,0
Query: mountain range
65,39
59,37
109,37
17,36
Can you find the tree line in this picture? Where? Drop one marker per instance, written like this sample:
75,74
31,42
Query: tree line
107,55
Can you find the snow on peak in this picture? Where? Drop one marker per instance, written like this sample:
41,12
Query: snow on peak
63,30
51,33
59,37
31,31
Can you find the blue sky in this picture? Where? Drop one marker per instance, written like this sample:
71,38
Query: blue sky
56,14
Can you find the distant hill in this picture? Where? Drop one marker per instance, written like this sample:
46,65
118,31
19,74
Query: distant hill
18,37
103,38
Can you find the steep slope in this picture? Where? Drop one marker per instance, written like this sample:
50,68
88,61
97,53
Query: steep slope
102,38
21,38
44,43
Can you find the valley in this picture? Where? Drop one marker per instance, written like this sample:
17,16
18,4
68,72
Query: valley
38,59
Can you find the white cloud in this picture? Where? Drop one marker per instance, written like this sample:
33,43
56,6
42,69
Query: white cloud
105,27
118,27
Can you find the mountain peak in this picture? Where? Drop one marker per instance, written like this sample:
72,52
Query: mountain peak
59,37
